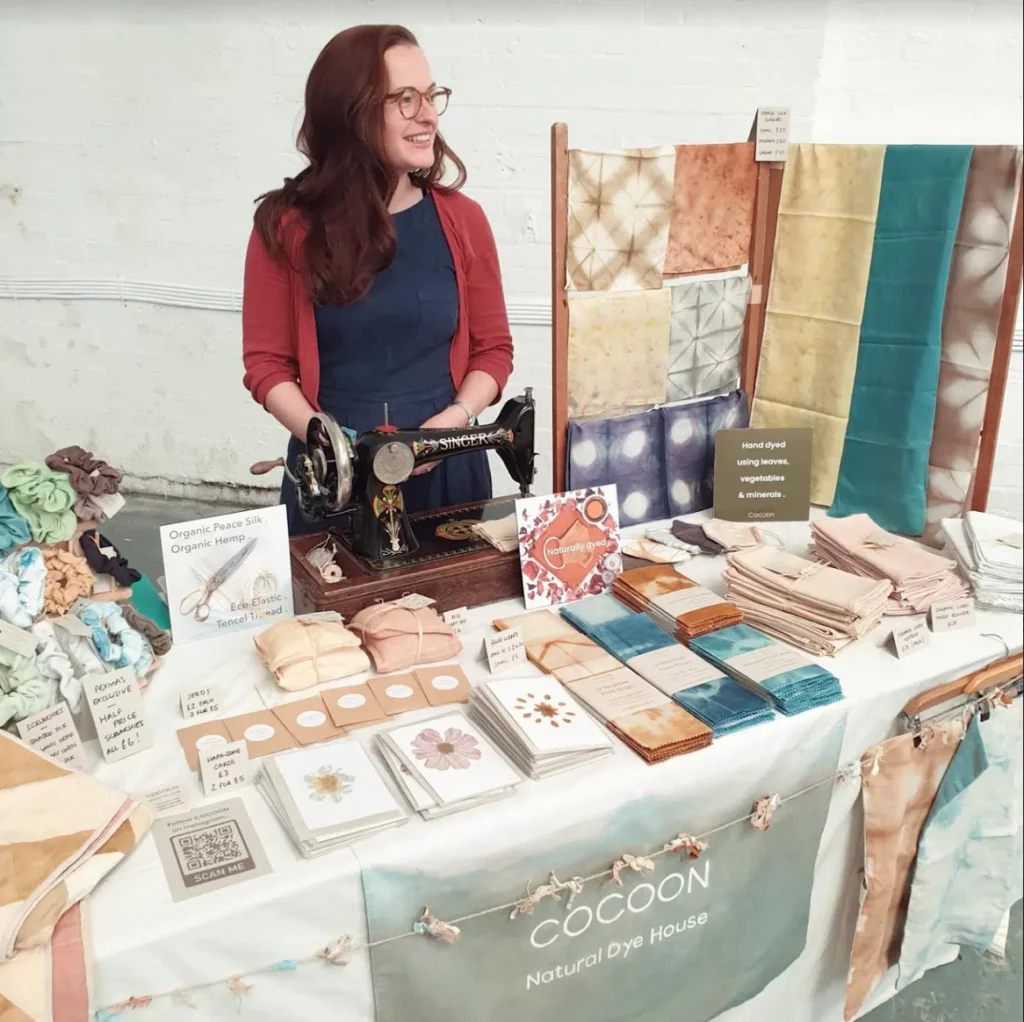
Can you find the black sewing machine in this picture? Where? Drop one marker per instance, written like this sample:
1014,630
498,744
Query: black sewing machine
361,478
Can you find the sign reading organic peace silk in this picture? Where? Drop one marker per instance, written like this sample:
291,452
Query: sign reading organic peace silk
687,941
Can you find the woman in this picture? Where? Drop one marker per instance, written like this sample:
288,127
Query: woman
368,281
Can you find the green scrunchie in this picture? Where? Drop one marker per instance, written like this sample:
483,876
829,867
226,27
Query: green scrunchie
23,693
44,498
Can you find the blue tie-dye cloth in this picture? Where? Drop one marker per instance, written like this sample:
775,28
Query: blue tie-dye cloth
722,704
793,691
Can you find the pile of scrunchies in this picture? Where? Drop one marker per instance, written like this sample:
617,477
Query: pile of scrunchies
50,564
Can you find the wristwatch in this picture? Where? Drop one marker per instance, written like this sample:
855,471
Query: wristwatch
470,414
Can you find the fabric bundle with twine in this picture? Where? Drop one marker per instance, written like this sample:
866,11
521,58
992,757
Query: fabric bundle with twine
399,637
89,477
301,652
44,498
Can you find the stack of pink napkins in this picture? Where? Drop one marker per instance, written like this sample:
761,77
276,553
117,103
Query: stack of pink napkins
803,602
919,576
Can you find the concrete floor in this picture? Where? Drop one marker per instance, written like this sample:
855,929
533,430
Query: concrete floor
972,989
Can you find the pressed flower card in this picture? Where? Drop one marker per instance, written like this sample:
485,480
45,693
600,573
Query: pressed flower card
568,545
333,784
452,757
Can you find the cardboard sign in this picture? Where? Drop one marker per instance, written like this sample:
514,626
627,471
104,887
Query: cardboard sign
198,702
771,134
456,620
910,638
952,615
167,801
224,767
763,475
227,573
17,640
53,733
208,849
505,649
115,703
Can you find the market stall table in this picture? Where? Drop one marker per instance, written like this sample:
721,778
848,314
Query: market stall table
146,944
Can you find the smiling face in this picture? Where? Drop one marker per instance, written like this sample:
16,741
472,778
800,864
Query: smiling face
409,143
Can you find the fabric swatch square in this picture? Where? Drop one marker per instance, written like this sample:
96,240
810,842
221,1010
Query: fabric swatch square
620,205
713,195
629,452
974,297
705,338
618,351
823,246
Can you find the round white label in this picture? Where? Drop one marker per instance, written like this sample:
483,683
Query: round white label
310,718
208,741
259,732
352,701
444,682
399,691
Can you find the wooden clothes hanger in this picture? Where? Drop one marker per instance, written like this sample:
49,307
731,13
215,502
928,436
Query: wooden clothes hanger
995,674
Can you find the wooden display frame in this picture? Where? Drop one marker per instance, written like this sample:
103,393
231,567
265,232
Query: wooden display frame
761,252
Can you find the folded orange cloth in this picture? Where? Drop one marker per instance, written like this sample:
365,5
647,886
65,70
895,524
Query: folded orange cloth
301,653
399,637
678,604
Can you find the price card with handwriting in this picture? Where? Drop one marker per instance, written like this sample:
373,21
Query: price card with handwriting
456,619
115,703
953,615
53,733
910,638
505,649
198,702
17,640
224,767
414,601
771,137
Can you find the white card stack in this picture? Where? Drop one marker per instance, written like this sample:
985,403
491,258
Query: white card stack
538,725
446,764
988,549
327,796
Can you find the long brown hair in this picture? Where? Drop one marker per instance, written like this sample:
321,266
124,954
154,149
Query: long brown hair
343,194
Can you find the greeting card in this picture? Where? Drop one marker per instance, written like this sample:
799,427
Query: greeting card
568,545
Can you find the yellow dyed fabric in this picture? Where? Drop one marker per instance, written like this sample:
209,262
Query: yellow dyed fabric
823,245
618,351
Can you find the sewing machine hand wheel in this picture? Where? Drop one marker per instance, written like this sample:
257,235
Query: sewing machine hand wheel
325,470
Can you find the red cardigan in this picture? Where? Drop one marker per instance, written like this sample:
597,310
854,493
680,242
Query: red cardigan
279,331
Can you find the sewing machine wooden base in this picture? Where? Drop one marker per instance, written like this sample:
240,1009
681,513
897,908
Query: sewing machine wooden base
452,566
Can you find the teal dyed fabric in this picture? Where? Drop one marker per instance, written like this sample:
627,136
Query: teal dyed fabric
969,860
884,469
14,529
723,704
793,691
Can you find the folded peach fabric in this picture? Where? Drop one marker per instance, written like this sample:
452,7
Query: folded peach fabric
557,648
856,544
301,653
678,604
900,778
398,637
712,208
732,535
61,832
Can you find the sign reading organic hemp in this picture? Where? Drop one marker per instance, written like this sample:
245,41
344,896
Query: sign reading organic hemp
651,950
763,475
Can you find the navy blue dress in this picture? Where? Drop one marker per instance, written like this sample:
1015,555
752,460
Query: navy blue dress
392,346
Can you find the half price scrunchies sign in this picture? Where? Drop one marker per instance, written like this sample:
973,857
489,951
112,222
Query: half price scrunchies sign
568,545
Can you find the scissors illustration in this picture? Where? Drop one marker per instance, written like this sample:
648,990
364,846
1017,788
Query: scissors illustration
198,603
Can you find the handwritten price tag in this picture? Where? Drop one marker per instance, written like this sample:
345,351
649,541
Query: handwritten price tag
505,649
53,733
224,767
910,638
198,702
771,138
952,615
456,619
116,707
414,601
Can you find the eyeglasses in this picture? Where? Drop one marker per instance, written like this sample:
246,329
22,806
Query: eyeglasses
410,100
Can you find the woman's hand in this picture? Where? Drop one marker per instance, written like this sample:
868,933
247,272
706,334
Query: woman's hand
452,417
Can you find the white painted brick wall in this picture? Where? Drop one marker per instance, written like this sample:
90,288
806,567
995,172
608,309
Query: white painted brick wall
133,139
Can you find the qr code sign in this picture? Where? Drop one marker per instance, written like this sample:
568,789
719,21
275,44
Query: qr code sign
211,853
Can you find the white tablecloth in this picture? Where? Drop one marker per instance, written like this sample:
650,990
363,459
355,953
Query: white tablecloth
146,944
